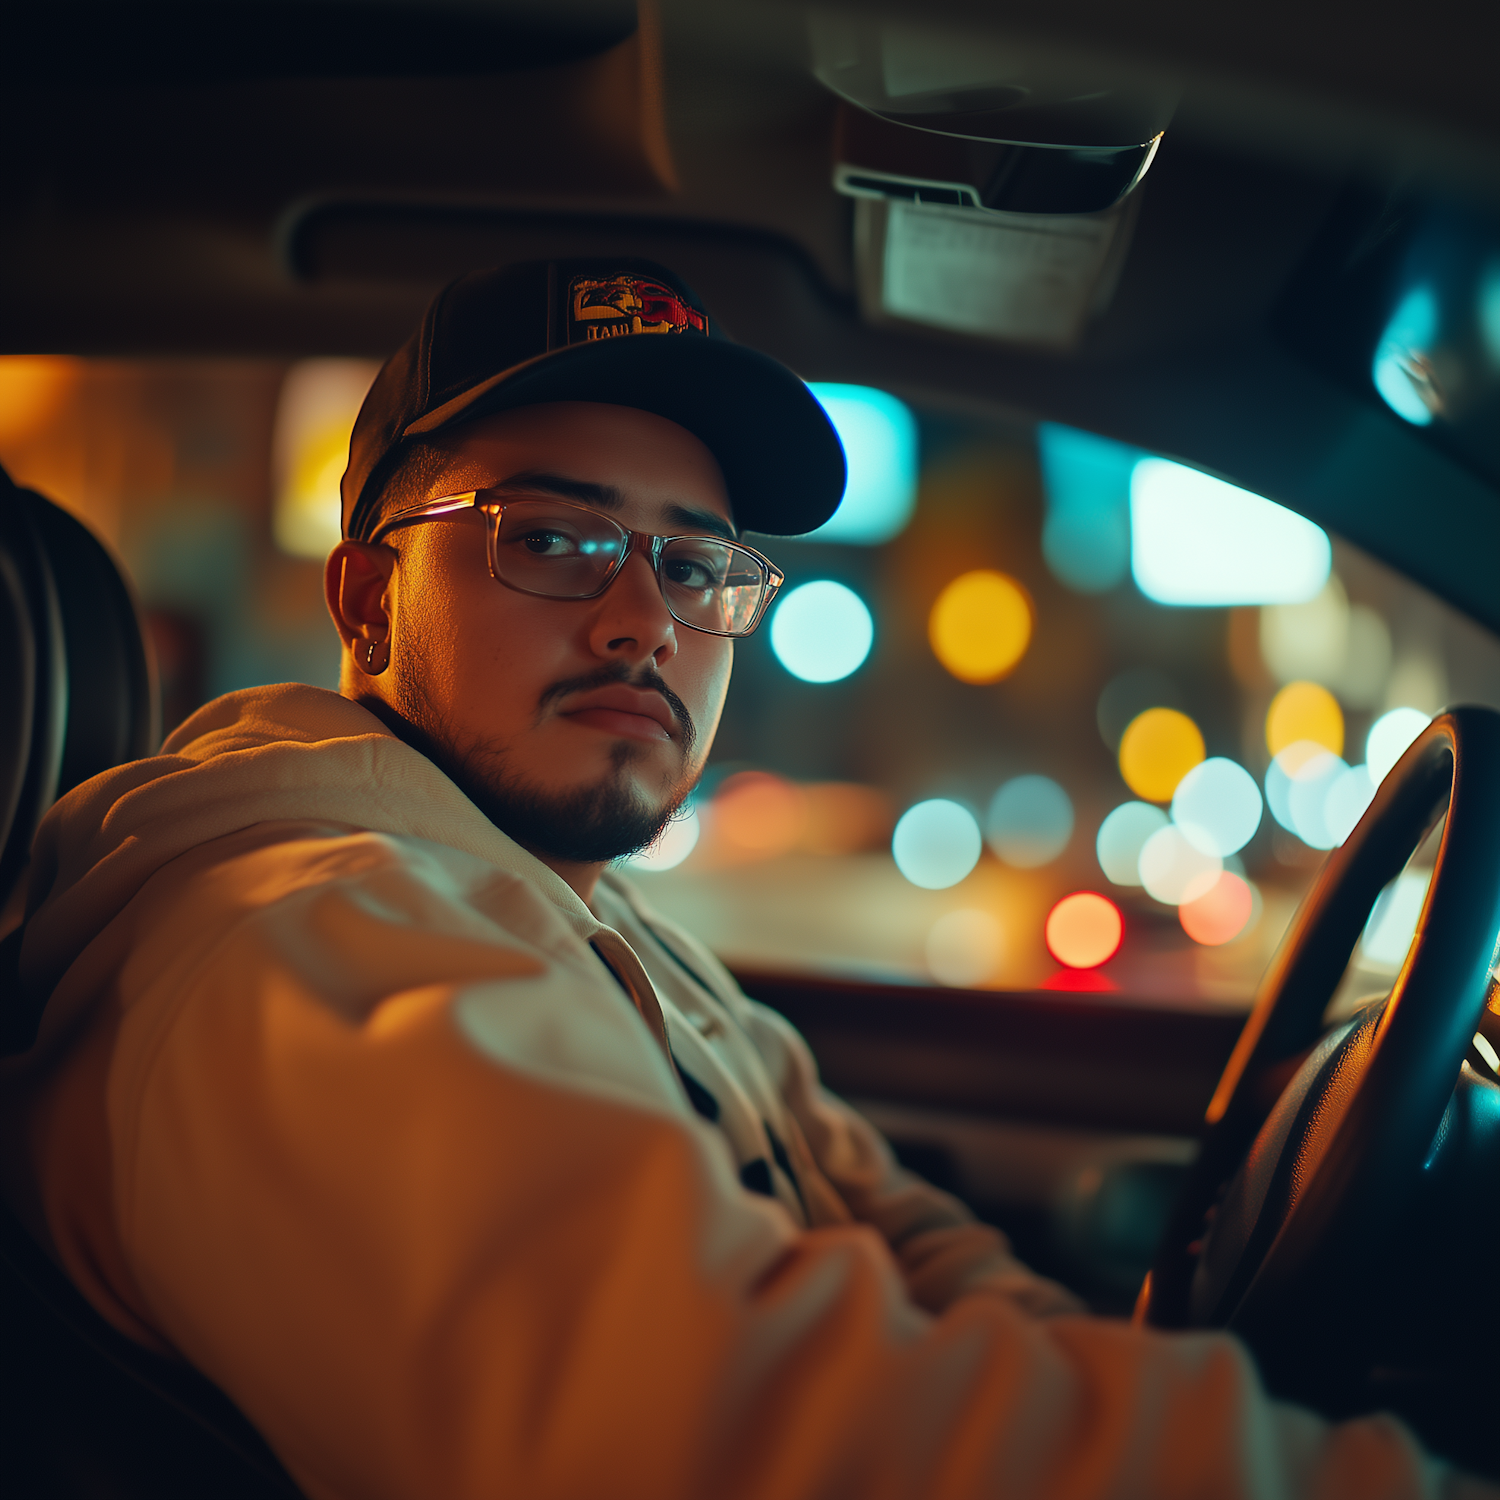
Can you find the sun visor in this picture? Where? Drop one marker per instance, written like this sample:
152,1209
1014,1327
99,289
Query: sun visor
995,190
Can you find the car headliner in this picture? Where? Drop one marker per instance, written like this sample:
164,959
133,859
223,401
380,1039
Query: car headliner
174,189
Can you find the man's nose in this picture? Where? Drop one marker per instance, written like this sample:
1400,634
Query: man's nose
631,619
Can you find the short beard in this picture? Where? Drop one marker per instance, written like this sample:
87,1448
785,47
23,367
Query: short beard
590,825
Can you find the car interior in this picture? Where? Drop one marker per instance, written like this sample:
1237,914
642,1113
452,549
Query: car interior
1165,348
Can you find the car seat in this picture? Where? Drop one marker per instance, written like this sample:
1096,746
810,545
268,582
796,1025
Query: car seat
84,1411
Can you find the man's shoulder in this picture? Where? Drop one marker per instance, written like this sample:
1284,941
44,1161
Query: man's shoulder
275,713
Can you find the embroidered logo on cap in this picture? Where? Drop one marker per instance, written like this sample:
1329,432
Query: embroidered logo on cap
610,307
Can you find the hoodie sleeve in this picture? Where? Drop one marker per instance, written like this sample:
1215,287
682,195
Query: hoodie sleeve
943,1251
412,1185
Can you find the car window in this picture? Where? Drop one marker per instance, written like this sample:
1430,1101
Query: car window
1035,710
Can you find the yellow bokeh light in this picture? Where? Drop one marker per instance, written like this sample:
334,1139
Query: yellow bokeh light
1159,747
32,389
980,626
310,448
1304,711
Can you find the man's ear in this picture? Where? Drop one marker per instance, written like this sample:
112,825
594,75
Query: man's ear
355,581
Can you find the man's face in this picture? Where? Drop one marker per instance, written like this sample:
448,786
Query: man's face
577,725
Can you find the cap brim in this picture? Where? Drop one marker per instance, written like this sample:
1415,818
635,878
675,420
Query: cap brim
782,460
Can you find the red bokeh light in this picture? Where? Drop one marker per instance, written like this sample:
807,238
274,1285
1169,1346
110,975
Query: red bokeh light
1080,981
1084,930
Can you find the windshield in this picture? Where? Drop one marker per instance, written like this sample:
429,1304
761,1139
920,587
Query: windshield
1034,711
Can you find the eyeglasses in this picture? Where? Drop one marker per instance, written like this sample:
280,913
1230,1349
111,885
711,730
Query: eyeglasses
556,549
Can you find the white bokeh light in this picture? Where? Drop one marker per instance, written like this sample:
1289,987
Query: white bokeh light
1393,921
1307,798
1299,783
1389,737
822,631
936,843
964,947
1195,540
678,840
1122,836
1173,871
1217,805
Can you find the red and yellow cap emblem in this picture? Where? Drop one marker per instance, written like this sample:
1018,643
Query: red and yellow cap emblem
610,307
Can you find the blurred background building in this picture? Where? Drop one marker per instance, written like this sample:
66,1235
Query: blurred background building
1033,709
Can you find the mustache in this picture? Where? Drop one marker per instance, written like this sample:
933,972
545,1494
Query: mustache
621,675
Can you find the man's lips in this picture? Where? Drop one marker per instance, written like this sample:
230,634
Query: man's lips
634,713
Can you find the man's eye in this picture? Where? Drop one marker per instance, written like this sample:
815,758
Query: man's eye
692,573
549,544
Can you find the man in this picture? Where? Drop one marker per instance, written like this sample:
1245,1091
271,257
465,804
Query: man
368,1089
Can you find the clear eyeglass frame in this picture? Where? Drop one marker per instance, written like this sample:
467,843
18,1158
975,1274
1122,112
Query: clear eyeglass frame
494,503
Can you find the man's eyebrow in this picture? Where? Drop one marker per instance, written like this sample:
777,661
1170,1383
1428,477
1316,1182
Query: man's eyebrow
607,497
702,520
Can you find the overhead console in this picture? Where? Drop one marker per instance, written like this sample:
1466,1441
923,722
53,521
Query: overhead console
994,189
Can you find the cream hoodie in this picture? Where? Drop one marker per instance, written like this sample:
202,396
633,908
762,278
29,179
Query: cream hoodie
459,1188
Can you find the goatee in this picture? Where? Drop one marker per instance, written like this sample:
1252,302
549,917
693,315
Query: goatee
588,825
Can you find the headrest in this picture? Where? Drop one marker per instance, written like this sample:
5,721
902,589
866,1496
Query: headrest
77,686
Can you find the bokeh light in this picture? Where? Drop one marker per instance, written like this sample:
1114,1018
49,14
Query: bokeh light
1220,914
1195,540
821,631
879,435
964,947
1307,798
678,840
1159,748
936,843
1084,930
1304,711
1030,821
759,812
1173,870
1401,364
1086,535
1298,783
1122,836
1393,921
33,388
1346,801
842,817
1128,694
1389,737
1345,647
315,413
1217,805
1307,640
1489,313
980,626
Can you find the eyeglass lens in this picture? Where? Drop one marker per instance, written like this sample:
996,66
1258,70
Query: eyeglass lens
565,551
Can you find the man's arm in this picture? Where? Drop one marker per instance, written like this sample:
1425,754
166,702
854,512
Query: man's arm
396,1168
943,1251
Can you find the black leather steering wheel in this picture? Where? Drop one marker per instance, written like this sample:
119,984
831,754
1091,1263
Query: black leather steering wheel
1296,1188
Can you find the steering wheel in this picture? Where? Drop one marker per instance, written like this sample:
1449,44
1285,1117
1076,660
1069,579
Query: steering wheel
1299,1183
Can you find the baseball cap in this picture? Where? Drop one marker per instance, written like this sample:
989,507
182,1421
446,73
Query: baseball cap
625,332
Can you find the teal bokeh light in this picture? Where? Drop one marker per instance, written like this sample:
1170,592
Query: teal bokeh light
1400,355
821,631
879,435
1086,535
